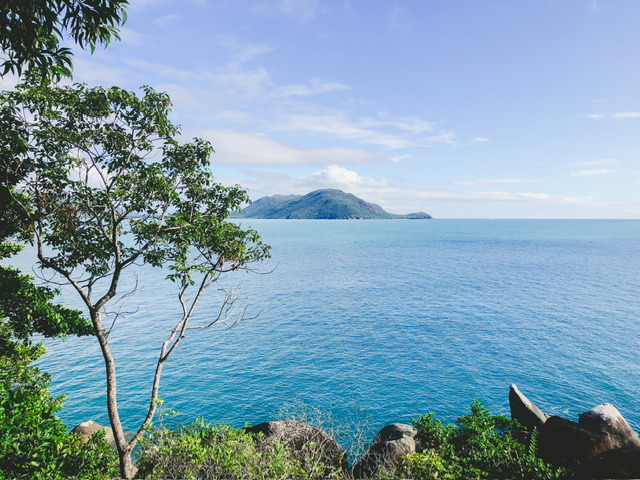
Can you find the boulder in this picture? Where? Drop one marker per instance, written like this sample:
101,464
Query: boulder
524,410
566,443
617,463
310,445
606,420
88,428
391,444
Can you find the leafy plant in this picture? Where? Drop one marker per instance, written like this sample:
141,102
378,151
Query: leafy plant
34,443
481,446
110,186
204,451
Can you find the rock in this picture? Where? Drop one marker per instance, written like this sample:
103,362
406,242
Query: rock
391,444
606,420
617,463
311,446
567,444
88,428
524,411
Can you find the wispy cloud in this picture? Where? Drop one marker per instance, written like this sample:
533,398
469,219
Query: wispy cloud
131,37
315,87
601,161
615,116
481,140
301,11
399,18
398,198
389,132
496,181
166,20
595,171
253,149
242,51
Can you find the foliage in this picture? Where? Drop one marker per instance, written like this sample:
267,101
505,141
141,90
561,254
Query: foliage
482,446
204,451
31,32
34,443
93,458
29,309
109,186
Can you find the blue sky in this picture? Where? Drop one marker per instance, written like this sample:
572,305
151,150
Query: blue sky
462,109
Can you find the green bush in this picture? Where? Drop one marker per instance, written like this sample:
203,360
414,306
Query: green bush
480,447
203,451
34,443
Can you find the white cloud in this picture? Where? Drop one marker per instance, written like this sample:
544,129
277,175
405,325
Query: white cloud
243,52
481,140
167,20
399,18
241,148
595,171
397,198
131,37
615,116
392,133
301,11
601,161
316,86
494,181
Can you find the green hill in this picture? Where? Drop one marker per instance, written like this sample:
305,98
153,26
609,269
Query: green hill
320,204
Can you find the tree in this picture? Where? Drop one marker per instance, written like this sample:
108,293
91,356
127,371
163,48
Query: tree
111,186
31,32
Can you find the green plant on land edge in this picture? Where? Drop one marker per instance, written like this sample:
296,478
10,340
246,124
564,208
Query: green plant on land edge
205,451
34,443
481,446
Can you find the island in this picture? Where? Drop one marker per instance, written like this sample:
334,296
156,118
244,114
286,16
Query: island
320,204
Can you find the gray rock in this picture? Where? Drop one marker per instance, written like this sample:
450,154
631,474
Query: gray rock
524,410
88,428
606,420
310,445
616,463
391,444
566,443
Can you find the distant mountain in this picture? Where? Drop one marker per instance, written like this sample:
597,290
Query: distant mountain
321,204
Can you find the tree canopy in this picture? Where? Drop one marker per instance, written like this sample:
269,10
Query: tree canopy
110,186
32,32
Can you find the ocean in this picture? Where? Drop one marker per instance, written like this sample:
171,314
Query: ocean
386,320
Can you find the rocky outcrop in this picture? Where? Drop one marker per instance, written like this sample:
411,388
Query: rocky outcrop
88,428
524,410
601,444
310,445
565,443
606,421
391,444
617,463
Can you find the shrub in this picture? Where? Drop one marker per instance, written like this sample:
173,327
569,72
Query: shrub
481,446
203,451
34,443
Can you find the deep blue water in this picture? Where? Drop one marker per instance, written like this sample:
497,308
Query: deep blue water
395,317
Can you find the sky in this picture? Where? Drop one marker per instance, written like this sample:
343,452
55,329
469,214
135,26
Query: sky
458,108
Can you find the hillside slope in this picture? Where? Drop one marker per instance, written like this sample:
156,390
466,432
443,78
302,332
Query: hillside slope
320,204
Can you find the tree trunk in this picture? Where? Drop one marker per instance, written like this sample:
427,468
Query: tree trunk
127,468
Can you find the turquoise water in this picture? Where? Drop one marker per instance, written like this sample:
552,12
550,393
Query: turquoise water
395,317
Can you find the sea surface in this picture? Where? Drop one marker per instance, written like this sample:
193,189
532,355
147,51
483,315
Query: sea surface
386,320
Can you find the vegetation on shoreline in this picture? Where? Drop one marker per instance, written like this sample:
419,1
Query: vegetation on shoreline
479,446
